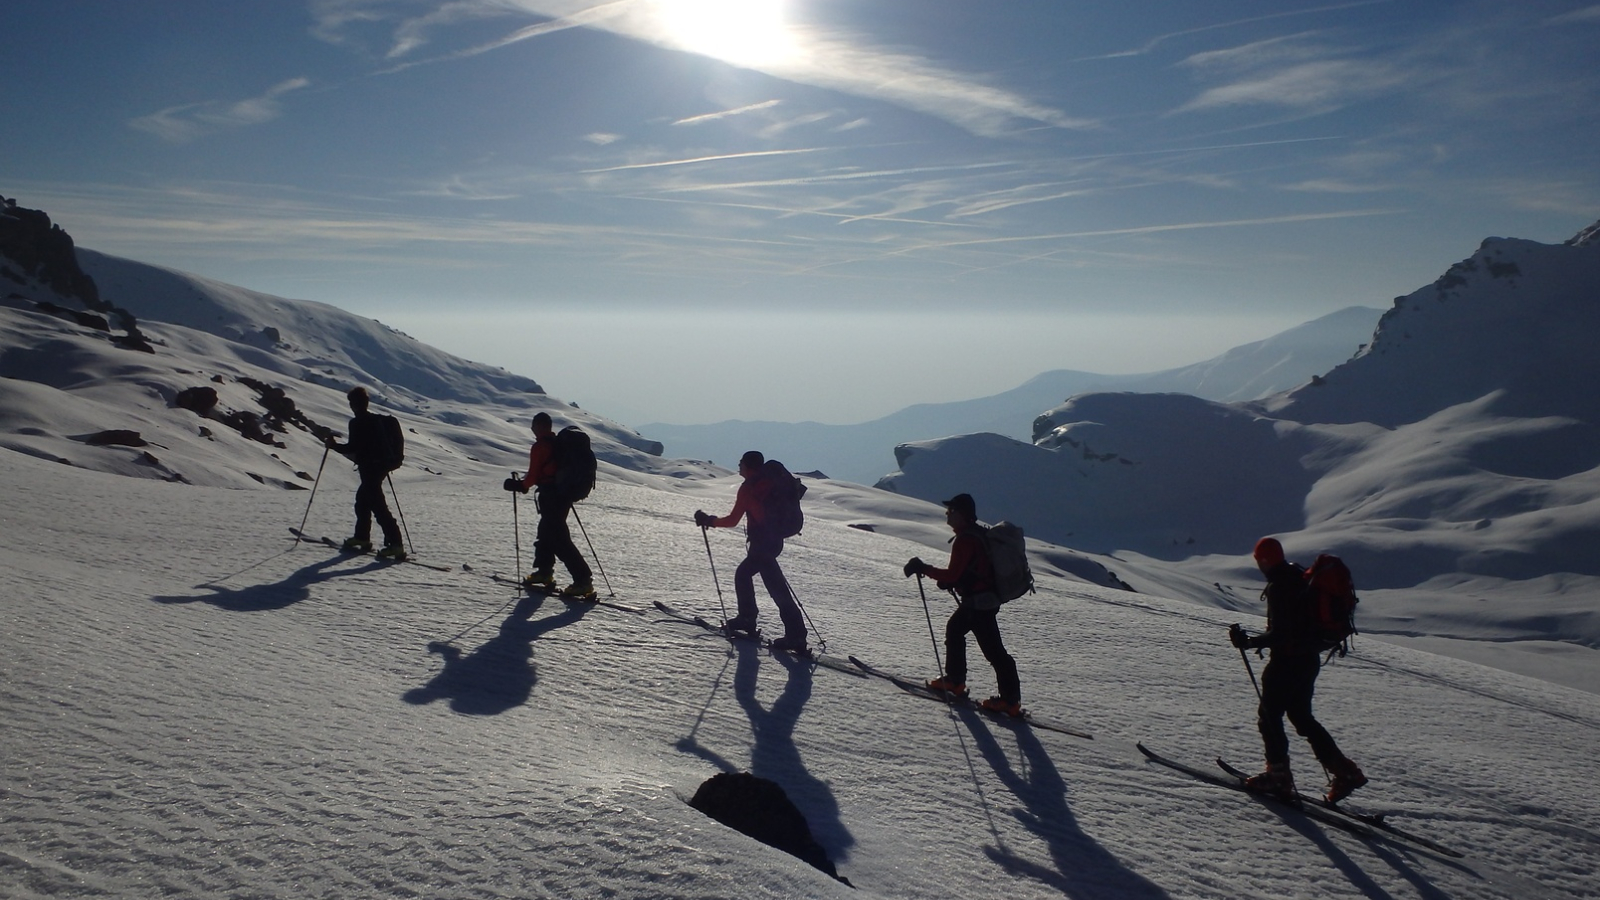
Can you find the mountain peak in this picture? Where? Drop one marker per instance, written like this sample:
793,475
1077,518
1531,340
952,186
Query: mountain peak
1587,236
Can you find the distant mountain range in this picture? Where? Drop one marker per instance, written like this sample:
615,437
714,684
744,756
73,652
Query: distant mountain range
863,452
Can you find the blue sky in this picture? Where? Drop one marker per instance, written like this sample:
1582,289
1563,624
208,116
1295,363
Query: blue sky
690,210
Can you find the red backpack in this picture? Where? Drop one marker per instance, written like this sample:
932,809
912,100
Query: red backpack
1332,593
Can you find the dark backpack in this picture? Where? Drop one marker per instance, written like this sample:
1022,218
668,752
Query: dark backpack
576,466
391,444
781,501
1332,594
1008,558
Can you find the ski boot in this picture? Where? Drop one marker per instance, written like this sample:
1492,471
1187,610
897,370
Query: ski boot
540,580
356,545
741,627
1347,776
1003,706
1277,780
946,686
578,590
396,552
795,644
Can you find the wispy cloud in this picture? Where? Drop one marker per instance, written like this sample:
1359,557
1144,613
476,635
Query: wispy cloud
412,33
1587,15
727,113
187,122
1294,72
832,61
718,157
1150,45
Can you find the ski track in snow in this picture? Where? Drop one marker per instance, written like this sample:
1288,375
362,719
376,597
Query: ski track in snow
193,708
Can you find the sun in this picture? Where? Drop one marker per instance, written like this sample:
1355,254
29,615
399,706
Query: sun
750,33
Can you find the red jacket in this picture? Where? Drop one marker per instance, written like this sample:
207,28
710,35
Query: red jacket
541,463
750,500
970,571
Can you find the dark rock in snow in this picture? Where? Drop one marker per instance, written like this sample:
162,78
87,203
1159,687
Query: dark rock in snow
117,436
198,400
759,808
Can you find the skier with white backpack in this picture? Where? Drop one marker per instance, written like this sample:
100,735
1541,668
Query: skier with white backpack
983,572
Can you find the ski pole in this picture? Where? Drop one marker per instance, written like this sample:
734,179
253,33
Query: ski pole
822,643
929,615
401,513
1248,668
307,516
516,530
597,564
720,602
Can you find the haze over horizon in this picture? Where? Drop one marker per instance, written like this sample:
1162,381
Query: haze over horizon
807,210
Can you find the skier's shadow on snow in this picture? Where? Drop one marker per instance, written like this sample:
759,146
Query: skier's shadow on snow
1352,869
499,675
277,595
774,755
1083,868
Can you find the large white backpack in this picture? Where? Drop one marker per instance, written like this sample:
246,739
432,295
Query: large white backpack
1008,555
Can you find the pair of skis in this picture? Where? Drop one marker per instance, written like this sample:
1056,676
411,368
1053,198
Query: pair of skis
324,539
854,666
593,599
1367,826
918,689
811,656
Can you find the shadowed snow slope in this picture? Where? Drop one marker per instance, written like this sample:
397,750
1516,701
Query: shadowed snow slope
194,709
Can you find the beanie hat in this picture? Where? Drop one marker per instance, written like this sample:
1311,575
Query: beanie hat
1268,552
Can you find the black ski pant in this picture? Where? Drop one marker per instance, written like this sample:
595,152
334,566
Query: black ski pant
1287,684
554,539
370,504
985,626
762,558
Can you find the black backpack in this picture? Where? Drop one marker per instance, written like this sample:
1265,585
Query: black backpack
391,444
781,502
576,466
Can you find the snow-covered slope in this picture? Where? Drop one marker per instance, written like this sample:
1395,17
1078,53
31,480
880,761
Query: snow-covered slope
194,709
165,366
862,452
1454,463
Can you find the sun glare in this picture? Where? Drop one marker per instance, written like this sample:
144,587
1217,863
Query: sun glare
743,32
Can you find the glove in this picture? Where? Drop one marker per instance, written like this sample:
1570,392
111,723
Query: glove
1238,637
915,566
704,519
515,484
